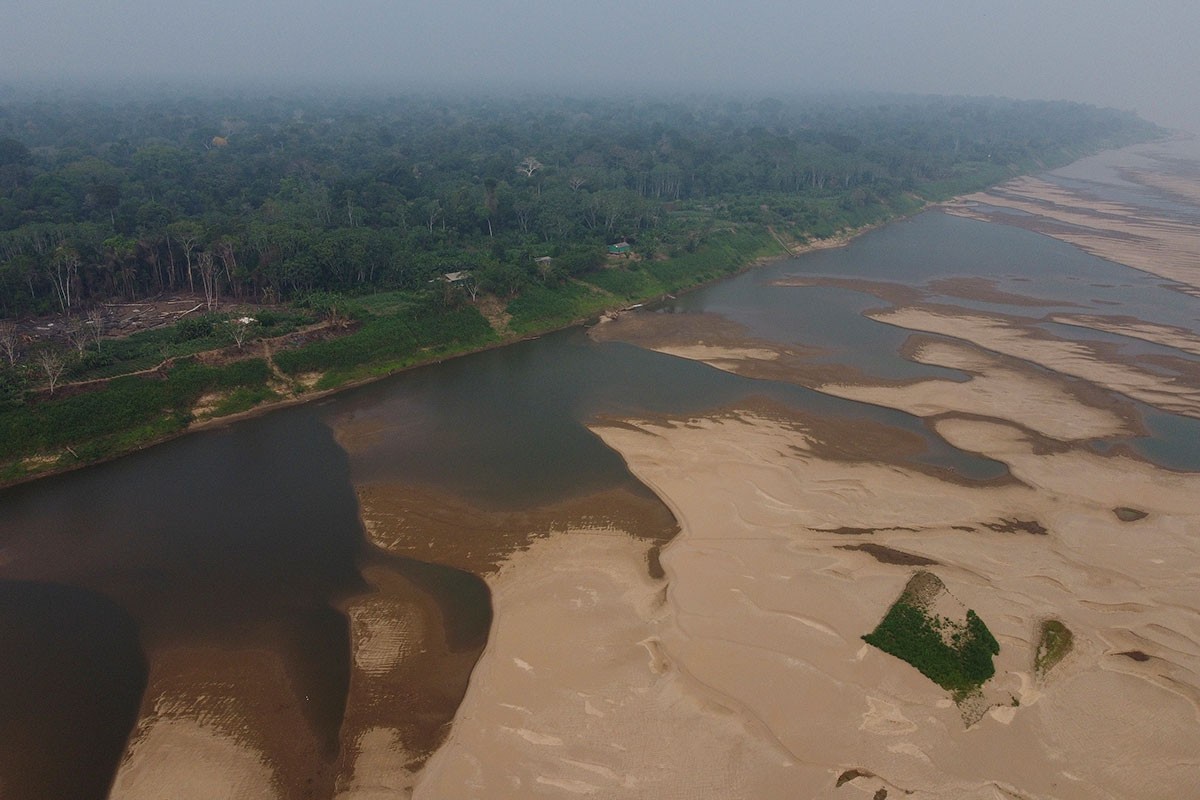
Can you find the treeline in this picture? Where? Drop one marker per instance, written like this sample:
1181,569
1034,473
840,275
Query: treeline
269,198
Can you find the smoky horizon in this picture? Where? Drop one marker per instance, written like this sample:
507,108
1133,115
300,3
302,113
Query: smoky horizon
1125,56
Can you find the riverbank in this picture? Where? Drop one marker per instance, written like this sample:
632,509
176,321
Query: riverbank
799,531
749,647
327,366
713,248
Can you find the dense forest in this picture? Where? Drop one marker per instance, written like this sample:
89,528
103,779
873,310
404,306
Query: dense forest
270,198
171,259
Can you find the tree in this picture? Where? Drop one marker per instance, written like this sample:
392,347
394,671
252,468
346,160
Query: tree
9,342
120,251
433,212
209,276
95,326
12,152
330,305
225,250
471,284
240,329
52,363
490,201
64,273
528,166
188,234
77,334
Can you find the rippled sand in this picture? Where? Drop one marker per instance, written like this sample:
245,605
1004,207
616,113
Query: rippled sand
729,662
1146,239
795,540
743,672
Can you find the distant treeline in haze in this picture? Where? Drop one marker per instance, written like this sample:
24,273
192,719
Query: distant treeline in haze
273,197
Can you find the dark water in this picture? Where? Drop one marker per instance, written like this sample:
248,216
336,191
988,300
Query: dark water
250,534
92,691
504,427
233,538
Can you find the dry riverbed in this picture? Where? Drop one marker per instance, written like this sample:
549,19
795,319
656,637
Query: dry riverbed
708,644
797,536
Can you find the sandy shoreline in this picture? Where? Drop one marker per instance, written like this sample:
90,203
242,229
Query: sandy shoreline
729,662
1147,239
749,651
793,544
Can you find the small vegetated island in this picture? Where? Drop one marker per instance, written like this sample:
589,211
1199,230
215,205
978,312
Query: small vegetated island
927,628
178,257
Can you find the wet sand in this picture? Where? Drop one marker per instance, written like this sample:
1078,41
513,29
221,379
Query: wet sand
797,533
1147,239
599,680
727,661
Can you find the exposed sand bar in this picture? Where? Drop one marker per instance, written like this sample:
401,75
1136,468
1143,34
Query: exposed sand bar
1178,338
577,695
1002,386
1137,237
1015,337
996,389
769,608
743,673
1185,187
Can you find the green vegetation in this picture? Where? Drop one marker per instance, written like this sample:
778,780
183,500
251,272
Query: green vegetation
272,199
130,411
383,344
955,655
543,307
388,224
1055,641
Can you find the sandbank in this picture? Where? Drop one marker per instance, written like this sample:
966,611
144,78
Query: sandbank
576,693
998,389
1018,338
1147,240
770,607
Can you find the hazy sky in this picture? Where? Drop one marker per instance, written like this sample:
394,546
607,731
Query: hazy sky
1132,55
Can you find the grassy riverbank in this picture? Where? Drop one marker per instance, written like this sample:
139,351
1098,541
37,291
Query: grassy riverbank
158,384
139,390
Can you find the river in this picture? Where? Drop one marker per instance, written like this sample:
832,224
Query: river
248,537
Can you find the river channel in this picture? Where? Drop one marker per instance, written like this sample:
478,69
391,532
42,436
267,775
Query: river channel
249,536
